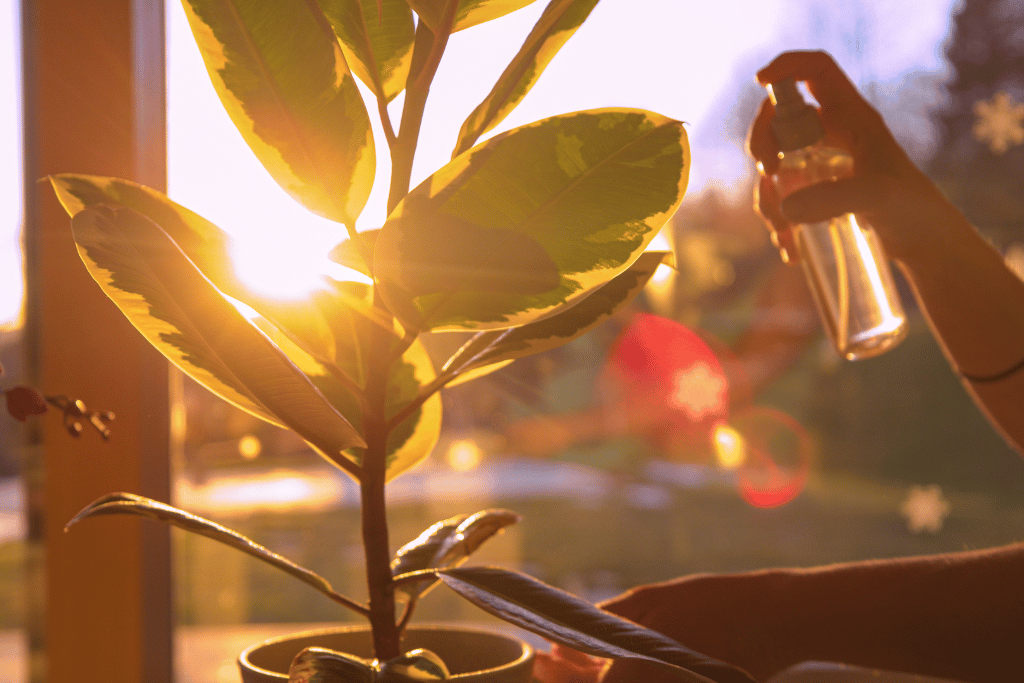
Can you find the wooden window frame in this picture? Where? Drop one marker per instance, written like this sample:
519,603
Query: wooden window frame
93,75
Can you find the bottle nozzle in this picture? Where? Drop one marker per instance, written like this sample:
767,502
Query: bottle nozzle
796,123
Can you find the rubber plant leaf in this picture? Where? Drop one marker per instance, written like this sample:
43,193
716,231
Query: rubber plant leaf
448,543
281,75
415,666
320,665
180,312
131,504
205,244
491,350
563,618
418,554
470,12
376,37
532,220
356,252
356,325
556,25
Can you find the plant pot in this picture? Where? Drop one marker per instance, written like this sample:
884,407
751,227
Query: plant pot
472,655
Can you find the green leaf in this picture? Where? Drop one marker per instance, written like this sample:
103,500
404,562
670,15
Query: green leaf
186,318
563,618
470,12
376,37
205,244
491,350
556,25
281,75
355,325
129,503
356,252
448,543
472,247
320,665
414,666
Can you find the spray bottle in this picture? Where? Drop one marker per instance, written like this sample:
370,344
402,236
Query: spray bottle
845,266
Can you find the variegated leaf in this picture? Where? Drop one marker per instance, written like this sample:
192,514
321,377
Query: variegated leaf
129,503
470,12
532,220
186,318
205,244
480,356
376,37
355,324
416,666
357,252
321,665
565,619
281,75
556,25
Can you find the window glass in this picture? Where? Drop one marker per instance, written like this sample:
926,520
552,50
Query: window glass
821,460
13,642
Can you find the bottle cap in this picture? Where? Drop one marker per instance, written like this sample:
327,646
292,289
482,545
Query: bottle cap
796,124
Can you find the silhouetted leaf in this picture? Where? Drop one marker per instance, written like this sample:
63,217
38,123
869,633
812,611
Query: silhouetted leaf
556,25
563,618
448,543
129,503
321,665
376,36
281,75
470,12
24,401
472,247
186,318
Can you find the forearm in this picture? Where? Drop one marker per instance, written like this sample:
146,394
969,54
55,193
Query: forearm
957,616
975,305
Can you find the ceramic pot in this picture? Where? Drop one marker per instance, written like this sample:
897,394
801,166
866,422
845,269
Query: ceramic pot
471,655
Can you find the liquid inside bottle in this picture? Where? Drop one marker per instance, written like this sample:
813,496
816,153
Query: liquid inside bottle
844,263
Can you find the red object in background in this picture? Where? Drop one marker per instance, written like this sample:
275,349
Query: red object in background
666,383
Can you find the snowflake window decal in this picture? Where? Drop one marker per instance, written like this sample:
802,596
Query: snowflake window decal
999,122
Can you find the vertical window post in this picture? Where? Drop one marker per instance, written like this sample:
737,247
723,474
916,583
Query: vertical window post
93,78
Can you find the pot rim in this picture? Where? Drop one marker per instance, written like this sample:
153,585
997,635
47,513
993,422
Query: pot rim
527,653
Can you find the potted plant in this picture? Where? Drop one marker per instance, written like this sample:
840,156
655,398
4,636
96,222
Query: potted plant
527,239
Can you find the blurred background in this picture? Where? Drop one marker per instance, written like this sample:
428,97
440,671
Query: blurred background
766,450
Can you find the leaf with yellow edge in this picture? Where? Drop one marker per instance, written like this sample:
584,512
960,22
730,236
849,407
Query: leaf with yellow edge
376,37
532,220
556,25
180,312
205,244
470,12
281,75
482,355
355,324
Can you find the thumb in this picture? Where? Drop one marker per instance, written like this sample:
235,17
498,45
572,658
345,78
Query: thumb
823,201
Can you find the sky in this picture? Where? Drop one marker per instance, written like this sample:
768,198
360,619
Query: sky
686,60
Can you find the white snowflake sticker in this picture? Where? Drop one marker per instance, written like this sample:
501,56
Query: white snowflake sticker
925,508
1000,122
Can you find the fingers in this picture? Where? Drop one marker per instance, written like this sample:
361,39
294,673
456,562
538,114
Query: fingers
761,141
565,665
766,203
824,78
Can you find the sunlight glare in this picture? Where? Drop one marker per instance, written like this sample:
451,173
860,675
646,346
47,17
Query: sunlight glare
464,455
730,448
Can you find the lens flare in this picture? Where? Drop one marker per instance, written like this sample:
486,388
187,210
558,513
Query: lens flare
464,455
730,448
777,456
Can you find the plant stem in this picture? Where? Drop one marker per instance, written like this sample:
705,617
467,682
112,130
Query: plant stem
421,75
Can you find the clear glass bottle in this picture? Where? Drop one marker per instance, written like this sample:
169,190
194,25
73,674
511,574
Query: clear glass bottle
845,265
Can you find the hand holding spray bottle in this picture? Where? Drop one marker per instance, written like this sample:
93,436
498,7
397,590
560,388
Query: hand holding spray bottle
845,266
